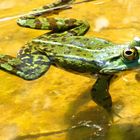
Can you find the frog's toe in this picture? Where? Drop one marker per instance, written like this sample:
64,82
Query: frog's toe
21,21
28,21
113,115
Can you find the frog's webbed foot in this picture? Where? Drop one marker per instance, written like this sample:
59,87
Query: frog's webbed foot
100,94
113,115
57,5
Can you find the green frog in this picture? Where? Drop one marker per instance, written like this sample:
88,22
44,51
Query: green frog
67,48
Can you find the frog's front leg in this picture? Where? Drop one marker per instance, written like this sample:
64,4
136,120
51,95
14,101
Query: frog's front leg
100,92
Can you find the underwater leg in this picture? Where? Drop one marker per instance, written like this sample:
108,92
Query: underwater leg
100,92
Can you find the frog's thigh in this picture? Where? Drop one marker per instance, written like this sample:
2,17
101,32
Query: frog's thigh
33,64
100,92
28,66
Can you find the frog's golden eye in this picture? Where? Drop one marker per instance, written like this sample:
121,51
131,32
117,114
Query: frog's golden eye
130,54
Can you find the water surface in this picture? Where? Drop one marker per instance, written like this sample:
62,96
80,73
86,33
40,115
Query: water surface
58,105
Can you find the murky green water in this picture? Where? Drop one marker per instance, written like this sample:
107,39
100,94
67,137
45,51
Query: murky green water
58,106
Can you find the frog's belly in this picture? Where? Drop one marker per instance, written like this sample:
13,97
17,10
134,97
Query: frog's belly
76,65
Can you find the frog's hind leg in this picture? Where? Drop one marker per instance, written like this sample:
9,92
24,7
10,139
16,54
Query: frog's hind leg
59,26
28,65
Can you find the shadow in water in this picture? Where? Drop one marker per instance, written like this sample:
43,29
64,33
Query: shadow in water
137,76
94,132
45,134
88,124
126,131
96,120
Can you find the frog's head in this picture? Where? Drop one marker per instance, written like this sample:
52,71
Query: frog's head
128,58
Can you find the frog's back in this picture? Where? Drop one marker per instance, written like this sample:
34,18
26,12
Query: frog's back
76,53
91,43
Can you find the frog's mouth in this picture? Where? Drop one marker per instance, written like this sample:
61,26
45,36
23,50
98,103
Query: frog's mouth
129,59
117,70
119,65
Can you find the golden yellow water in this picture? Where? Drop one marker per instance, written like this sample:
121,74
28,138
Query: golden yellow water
58,106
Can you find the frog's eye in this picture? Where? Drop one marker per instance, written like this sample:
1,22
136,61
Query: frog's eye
130,54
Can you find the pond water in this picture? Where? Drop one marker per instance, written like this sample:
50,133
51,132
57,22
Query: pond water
58,105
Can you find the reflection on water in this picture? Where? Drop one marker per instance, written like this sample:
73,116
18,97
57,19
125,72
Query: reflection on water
58,105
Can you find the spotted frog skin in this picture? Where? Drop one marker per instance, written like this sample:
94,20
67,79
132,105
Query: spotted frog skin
67,48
